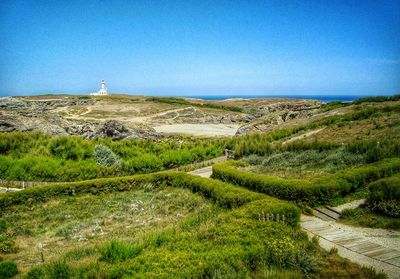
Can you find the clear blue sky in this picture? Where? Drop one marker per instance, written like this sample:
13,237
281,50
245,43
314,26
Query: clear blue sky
200,47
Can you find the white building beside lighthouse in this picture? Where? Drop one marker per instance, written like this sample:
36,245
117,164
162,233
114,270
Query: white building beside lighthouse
103,90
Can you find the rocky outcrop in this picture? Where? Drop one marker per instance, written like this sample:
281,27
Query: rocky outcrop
16,122
21,103
117,130
112,129
276,116
84,130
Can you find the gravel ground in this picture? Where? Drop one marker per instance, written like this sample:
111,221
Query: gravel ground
350,205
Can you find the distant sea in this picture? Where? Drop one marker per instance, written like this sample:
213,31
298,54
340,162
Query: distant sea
324,98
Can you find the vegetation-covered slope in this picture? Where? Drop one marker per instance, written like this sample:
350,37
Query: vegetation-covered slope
172,224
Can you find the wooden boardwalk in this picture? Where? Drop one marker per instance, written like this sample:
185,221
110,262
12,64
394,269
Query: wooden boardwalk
355,242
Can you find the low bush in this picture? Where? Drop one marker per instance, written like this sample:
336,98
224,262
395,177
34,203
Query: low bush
270,209
95,186
253,159
223,194
118,252
375,150
317,191
377,99
104,156
384,196
3,226
8,269
364,216
7,244
39,157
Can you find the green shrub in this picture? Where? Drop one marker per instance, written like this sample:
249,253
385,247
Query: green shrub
364,216
7,244
270,209
317,191
38,157
384,196
104,156
3,226
253,159
35,273
59,270
70,148
375,150
377,99
118,252
8,269
225,195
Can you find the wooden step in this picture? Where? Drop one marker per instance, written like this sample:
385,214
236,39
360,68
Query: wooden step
322,216
331,214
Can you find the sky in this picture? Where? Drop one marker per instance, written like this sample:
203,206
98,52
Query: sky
202,47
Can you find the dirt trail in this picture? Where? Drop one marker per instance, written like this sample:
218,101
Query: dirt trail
137,119
302,136
203,172
144,118
88,110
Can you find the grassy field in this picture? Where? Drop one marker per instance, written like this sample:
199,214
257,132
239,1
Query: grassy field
304,164
66,225
158,231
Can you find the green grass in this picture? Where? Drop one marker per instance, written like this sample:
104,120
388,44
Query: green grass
261,144
182,101
360,193
225,245
304,164
39,157
365,217
384,196
319,190
85,221
377,99
207,241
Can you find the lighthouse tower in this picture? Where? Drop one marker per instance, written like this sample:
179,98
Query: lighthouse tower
103,89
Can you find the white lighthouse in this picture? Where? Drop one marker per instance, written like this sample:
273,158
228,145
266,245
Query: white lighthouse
103,89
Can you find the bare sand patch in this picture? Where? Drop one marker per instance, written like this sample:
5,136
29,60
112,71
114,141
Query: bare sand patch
199,129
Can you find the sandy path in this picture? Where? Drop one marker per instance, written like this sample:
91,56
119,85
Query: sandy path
349,205
203,172
144,118
305,135
199,129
